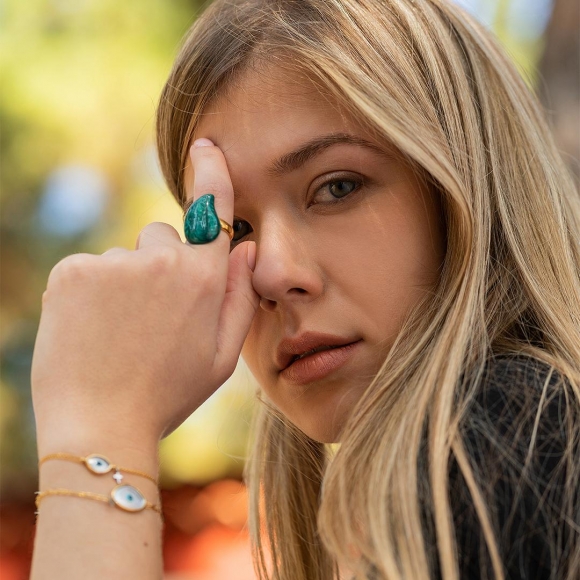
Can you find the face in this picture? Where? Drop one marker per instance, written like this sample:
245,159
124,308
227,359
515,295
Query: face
349,240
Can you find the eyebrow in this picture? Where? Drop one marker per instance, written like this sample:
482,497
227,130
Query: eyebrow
295,159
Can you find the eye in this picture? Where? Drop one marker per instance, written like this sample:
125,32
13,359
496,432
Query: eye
241,229
337,188
341,188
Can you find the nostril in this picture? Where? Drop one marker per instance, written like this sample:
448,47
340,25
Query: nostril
267,304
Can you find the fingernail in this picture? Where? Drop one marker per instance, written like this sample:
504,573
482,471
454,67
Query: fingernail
252,255
203,142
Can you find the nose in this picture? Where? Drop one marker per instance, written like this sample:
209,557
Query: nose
286,271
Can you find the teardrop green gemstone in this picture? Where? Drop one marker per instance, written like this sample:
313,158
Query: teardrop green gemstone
201,222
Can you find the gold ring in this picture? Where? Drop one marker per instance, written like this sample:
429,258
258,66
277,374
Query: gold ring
227,228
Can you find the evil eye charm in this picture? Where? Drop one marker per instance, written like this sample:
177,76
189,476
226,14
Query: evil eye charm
128,498
201,223
98,464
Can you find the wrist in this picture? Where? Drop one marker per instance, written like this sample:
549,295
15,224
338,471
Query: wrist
140,453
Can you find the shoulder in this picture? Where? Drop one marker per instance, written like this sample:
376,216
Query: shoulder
516,377
517,433
518,397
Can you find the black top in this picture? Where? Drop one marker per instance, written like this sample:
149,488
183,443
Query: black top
526,504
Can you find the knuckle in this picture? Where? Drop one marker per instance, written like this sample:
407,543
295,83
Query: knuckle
163,259
147,231
71,268
46,296
155,233
154,226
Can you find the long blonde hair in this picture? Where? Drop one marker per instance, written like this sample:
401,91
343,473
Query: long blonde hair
427,78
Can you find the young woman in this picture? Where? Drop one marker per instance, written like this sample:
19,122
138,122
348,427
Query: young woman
402,279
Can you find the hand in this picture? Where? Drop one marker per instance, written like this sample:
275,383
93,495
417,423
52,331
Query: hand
132,342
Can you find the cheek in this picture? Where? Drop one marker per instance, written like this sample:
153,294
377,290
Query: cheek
377,260
386,255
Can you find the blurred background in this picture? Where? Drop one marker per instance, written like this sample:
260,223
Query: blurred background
80,82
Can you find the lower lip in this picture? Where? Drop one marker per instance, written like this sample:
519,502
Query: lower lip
318,365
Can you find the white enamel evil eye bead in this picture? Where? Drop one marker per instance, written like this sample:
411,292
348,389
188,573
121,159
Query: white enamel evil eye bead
128,498
98,464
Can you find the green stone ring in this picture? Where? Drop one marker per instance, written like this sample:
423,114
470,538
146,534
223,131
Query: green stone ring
201,222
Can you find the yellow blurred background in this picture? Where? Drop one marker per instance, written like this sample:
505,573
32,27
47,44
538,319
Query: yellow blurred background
80,83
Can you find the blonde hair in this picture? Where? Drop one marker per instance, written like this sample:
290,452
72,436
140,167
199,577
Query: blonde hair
427,78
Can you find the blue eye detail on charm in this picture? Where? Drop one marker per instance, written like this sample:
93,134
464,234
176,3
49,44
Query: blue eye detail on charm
201,223
98,464
128,498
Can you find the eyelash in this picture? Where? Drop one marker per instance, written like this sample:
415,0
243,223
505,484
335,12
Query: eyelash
358,182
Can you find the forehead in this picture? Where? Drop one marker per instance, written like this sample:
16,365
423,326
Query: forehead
272,106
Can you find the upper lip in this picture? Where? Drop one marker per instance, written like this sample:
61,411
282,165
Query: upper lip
292,347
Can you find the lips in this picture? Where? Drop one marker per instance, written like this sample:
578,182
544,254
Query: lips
304,345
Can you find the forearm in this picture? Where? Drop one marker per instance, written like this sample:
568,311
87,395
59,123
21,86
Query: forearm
84,538
129,344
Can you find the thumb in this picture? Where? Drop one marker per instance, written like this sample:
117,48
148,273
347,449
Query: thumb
240,303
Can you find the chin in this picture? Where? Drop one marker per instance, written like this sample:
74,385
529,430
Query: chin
318,426
321,433
319,411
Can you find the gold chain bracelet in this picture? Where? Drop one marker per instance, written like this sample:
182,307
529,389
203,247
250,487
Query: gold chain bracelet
125,497
97,464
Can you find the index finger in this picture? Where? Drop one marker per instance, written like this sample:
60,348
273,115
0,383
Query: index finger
211,175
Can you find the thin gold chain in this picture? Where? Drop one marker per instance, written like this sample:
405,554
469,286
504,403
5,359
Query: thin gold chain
78,459
84,494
